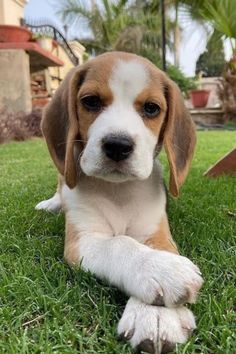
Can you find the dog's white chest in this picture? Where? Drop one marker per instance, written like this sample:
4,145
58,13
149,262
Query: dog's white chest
134,209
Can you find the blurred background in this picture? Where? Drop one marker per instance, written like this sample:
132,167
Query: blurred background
193,41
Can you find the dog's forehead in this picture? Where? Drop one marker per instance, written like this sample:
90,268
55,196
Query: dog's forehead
120,72
128,79
123,77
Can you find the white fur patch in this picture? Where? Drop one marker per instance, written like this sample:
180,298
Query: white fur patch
139,271
133,208
128,79
53,204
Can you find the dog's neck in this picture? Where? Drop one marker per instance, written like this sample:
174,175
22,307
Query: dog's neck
123,191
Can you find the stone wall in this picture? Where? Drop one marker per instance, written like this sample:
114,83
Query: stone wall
15,93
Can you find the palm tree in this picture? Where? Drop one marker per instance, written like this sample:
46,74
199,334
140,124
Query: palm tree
102,22
188,10
221,14
119,25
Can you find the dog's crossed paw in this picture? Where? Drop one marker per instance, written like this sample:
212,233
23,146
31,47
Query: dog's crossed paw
162,278
155,329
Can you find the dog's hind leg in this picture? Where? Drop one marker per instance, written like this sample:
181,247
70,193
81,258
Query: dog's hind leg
53,204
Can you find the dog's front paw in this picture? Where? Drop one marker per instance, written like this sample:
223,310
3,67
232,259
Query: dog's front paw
53,204
164,278
155,329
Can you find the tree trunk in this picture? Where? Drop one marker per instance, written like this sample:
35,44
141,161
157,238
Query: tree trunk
176,35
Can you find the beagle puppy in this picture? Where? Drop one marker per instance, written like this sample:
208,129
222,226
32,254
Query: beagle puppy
104,128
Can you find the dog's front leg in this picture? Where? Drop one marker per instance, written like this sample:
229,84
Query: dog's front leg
54,203
153,276
155,329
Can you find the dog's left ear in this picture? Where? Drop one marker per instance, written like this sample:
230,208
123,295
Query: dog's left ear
179,137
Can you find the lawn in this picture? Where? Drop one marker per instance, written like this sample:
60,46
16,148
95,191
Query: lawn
45,307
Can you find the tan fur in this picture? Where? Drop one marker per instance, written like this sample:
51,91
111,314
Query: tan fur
71,252
60,182
155,94
162,239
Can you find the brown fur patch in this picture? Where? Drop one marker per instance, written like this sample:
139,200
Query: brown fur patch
60,182
179,137
162,239
153,93
86,118
71,249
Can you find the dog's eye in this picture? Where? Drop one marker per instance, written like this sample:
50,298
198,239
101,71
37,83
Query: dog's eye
92,103
151,109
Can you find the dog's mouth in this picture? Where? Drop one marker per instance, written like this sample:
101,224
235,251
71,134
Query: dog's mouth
113,171
116,177
116,172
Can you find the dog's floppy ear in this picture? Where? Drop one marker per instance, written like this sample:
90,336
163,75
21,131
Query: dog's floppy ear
60,126
179,137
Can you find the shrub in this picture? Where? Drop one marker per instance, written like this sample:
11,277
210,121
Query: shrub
20,126
185,83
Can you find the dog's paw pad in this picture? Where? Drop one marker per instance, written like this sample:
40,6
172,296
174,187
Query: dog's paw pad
167,347
146,346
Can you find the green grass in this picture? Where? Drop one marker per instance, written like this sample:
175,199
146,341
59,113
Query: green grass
45,307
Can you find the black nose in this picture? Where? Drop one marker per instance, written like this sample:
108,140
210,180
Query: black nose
117,148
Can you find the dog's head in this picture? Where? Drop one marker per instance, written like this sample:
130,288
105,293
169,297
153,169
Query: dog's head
111,116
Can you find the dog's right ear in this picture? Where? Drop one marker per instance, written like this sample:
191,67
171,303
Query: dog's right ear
60,126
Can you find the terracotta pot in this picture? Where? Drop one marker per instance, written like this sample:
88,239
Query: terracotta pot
199,98
9,34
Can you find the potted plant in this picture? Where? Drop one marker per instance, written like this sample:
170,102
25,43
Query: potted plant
186,84
199,96
220,15
44,41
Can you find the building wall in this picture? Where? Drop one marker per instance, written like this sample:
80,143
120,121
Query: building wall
15,95
57,74
11,11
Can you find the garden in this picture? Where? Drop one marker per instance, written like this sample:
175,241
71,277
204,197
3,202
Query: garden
47,307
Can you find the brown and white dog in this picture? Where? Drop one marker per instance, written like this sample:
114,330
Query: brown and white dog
104,128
